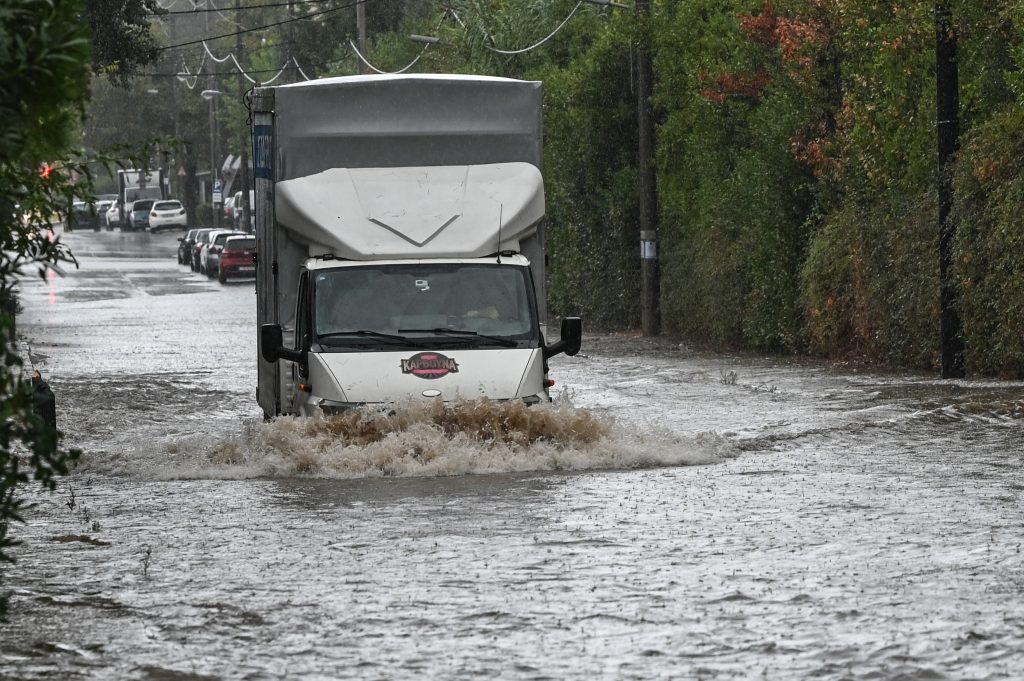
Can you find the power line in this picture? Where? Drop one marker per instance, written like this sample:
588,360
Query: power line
407,66
537,44
260,28
233,72
195,8
238,67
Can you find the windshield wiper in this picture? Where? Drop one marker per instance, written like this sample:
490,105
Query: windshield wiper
465,333
366,333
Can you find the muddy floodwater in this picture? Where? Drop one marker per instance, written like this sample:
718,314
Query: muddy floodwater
675,515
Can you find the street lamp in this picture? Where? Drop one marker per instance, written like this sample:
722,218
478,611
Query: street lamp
211,96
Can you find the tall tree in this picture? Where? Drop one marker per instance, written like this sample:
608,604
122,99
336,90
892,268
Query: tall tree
121,36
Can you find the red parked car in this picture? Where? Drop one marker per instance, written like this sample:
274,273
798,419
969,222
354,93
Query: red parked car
238,259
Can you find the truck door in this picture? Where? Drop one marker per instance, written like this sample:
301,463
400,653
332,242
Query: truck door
299,372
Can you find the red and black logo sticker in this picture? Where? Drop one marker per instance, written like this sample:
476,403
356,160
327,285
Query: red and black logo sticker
429,365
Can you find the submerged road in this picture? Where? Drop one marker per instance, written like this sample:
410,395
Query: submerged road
704,517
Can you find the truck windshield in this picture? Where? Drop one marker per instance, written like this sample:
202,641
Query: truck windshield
453,304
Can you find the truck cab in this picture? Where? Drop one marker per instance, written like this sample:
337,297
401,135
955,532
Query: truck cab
407,329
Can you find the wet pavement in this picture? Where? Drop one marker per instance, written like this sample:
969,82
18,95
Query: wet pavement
728,517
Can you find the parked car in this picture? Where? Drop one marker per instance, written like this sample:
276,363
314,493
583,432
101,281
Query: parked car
185,244
210,255
229,210
114,215
82,215
138,214
102,207
197,248
239,209
237,259
167,215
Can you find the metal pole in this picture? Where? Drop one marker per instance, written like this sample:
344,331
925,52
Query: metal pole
172,169
947,96
650,280
213,133
213,159
246,138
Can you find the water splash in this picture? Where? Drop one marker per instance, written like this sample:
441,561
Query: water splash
433,439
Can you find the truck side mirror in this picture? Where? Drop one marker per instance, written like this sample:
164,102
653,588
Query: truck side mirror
272,345
572,335
572,338
271,340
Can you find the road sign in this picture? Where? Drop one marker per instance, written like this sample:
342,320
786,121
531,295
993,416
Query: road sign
218,196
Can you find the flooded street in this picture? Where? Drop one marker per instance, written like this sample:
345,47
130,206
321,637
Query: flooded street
721,517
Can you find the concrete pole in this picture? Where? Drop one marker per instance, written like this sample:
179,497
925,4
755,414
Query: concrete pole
650,279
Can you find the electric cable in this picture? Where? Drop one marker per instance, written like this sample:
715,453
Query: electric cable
407,66
386,73
180,75
265,26
531,47
196,10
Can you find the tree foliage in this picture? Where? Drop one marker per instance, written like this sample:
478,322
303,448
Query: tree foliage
45,56
121,37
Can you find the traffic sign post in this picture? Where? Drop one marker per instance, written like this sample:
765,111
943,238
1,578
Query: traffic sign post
218,195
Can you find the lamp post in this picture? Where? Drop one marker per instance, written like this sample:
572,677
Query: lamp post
211,96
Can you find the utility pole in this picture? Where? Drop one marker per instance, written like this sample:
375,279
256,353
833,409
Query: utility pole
947,97
213,158
243,171
361,30
211,86
650,280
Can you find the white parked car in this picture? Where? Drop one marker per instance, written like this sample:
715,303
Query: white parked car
114,215
102,208
167,215
238,210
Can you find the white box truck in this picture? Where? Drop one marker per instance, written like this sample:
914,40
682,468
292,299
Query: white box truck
400,244
134,185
